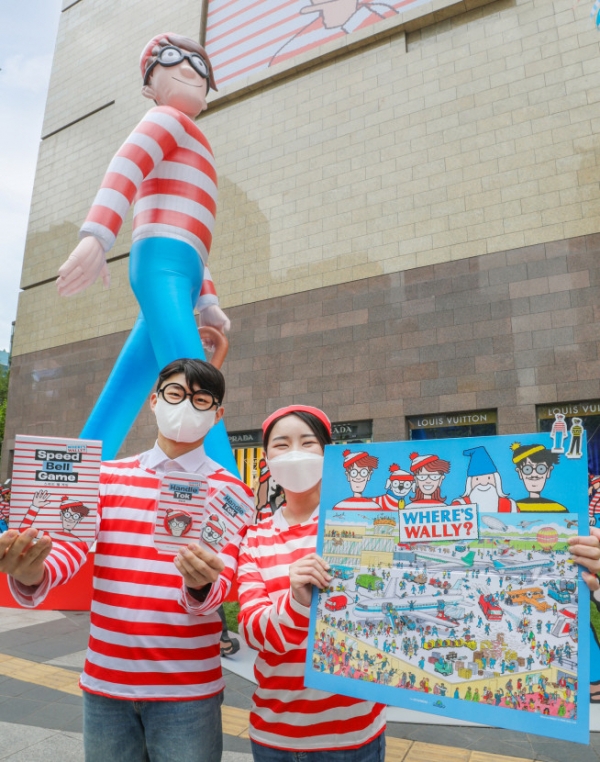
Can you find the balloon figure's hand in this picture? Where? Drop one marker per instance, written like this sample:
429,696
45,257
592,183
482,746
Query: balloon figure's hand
214,316
82,268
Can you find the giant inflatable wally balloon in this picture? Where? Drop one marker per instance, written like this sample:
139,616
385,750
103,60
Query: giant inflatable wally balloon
166,169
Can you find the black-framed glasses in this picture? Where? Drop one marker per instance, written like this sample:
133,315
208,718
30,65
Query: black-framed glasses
540,469
171,55
174,394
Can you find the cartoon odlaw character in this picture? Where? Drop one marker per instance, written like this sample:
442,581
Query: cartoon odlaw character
398,486
429,471
166,168
177,523
358,467
534,464
576,433
484,485
336,18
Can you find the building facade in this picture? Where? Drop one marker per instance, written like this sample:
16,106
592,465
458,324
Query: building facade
408,227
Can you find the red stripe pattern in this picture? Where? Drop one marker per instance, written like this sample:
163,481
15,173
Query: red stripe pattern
285,714
166,168
149,639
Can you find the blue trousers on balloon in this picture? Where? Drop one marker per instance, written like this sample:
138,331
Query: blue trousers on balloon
166,277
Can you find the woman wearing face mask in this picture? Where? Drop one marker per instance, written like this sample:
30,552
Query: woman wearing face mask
278,568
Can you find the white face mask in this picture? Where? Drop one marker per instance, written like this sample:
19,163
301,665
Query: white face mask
297,471
182,422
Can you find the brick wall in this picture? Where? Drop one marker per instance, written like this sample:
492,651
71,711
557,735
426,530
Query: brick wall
507,330
471,136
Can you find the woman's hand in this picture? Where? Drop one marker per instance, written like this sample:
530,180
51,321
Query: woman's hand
586,553
310,570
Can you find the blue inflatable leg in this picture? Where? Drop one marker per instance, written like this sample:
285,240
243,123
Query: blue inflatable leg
166,276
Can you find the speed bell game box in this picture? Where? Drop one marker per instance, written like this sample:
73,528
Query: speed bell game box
55,486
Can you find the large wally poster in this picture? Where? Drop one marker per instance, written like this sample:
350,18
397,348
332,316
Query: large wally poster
452,591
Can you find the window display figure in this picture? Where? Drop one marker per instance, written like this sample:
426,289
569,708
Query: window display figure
166,169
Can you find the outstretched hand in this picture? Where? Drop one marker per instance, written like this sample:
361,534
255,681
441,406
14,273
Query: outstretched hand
586,553
86,262
214,316
23,558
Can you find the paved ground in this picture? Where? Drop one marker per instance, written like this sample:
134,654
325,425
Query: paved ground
41,654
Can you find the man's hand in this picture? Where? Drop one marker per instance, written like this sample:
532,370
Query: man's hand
310,570
197,566
86,263
586,553
23,558
213,315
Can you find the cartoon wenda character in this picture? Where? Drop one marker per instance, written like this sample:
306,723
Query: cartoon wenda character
167,169
398,486
484,485
336,18
534,464
177,523
429,471
358,467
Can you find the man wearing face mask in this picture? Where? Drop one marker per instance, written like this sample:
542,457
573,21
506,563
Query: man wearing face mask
152,682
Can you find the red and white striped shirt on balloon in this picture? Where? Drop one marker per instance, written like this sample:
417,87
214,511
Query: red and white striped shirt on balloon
149,639
167,169
285,714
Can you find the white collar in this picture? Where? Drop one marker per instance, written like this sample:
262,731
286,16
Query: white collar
157,460
281,523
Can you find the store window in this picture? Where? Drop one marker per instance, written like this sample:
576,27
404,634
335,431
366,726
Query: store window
478,423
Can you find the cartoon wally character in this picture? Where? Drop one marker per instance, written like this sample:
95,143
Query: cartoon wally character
71,513
399,484
214,530
484,486
429,471
167,170
177,523
534,464
358,467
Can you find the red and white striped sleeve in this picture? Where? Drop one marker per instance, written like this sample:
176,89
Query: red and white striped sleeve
208,292
276,627
160,132
63,562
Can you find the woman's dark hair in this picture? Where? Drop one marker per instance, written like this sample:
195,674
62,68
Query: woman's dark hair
315,425
198,373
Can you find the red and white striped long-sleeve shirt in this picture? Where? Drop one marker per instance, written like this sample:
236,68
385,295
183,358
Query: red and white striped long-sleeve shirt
167,169
286,714
149,639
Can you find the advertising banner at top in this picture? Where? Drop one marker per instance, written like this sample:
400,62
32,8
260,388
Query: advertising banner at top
453,592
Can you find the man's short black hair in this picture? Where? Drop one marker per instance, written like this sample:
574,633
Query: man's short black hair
198,374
